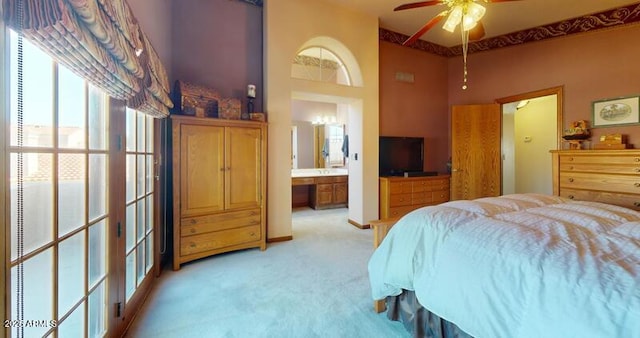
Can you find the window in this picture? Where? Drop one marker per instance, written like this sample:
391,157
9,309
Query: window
59,179
64,195
320,64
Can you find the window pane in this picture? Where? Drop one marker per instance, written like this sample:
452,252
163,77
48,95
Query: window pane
131,227
71,192
38,286
37,201
71,272
150,123
149,251
150,168
131,130
140,179
97,185
97,252
71,109
140,222
73,326
141,135
142,271
37,95
130,275
97,119
131,177
149,224
97,311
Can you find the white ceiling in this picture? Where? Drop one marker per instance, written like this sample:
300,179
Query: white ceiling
500,18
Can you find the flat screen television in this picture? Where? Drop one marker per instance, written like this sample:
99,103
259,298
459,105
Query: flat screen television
400,155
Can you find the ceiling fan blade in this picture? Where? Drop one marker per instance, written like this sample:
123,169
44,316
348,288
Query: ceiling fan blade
417,5
477,32
425,28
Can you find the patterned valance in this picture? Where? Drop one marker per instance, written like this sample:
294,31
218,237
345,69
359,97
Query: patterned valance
101,41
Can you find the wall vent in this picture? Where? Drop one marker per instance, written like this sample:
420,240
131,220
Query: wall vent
405,77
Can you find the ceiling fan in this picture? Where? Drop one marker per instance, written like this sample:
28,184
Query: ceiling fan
467,13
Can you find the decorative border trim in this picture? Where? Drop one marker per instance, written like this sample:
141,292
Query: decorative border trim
626,15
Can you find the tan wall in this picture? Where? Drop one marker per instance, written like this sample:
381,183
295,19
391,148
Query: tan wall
289,25
419,108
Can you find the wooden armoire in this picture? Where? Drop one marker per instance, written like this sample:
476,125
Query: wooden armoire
219,186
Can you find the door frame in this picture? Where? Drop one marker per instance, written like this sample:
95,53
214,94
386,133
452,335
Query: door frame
540,93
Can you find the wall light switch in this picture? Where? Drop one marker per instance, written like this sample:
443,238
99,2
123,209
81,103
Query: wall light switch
527,139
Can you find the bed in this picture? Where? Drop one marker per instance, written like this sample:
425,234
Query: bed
524,265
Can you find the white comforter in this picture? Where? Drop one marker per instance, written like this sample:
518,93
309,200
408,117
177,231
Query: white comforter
523,265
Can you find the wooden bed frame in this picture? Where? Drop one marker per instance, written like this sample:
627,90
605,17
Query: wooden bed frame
608,176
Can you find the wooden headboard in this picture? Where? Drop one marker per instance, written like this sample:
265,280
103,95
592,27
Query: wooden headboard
608,176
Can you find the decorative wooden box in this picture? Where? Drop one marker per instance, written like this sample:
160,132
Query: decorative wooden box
229,108
196,100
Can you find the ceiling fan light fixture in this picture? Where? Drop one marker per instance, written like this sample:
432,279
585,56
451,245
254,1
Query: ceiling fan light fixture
455,16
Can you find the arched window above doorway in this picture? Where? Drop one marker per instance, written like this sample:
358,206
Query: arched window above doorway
320,64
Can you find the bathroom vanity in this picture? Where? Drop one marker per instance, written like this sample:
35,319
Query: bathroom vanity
320,188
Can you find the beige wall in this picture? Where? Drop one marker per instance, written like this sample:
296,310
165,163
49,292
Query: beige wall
290,25
532,142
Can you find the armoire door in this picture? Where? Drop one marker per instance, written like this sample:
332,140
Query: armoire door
243,162
202,169
475,151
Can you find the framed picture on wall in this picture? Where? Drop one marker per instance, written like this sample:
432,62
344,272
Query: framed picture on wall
616,111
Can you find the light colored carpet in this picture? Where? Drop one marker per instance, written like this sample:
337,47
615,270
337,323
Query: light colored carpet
313,286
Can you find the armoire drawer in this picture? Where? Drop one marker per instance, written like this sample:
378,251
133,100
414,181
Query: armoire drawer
216,222
219,239
602,182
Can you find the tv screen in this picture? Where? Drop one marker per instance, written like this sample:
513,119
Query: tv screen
401,154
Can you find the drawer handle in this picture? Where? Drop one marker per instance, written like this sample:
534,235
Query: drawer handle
193,245
636,204
193,231
637,159
570,197
570,158
637,170
571,180
571,168
253,234
193,221
636,185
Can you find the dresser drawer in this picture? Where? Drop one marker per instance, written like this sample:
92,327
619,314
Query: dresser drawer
602,168
400,200
204,224
400,188
401,211
440,196
600,182
419,186
421,197
219,239
600,159
630,201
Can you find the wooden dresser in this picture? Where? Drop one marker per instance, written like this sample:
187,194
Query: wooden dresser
609,176
399,195
219,186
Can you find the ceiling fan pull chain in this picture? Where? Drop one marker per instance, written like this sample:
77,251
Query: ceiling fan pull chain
465,43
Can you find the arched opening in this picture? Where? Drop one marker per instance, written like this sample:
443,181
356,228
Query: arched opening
320,103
